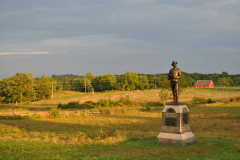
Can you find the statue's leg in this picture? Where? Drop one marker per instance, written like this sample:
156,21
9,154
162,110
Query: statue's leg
176,88
173,90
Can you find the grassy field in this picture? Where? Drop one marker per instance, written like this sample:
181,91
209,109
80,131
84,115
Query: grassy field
119,132
146,95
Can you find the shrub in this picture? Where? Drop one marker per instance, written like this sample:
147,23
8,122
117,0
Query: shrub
198,100
56,112
209,100
226,101
163,95
88,104
74,104
103,102
125,101
60,105
148,108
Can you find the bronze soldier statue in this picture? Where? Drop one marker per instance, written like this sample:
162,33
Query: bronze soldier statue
174,75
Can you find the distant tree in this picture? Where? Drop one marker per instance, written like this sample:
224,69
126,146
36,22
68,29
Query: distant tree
43,88
105,82
52,83
236,81
88,78
214,77
143,82
88,84
66,85
186,81
129,81
2,85
165,83
195,76
225,81
70,77
78,85
31,76
158,82
224,74
18,88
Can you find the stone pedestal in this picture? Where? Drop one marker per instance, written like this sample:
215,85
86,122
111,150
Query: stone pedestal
175,130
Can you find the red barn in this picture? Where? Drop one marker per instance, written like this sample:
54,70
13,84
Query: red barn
204,84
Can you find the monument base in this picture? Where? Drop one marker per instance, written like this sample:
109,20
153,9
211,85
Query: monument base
173,139
175,130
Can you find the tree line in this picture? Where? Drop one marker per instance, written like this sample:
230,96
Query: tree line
24,87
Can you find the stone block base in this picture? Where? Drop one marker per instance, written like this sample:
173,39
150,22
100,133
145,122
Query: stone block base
172,139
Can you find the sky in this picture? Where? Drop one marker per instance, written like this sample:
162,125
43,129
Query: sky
144,36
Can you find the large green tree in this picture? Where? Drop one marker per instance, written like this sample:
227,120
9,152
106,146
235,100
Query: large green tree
225,81
129,81
88,78
186,81
66,85
105,82
143,82
18,88
165,83
78,85
236,81
43,88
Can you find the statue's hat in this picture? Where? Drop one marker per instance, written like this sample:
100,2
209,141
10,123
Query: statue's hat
173,62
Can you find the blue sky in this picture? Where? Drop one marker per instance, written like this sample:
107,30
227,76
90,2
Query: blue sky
144,36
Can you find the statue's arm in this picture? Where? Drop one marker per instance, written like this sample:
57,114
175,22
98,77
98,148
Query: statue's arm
169,75
179,74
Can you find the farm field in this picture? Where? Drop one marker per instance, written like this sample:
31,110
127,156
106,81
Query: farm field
125,132
146,95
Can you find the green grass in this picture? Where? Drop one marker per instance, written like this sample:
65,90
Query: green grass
131,135
203,148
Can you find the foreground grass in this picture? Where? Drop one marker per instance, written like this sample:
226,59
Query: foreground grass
129,135
204,148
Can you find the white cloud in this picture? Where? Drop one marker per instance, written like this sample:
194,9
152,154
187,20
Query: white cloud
19,53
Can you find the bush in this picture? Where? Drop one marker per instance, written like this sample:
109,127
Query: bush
163,95
56,112
226,101
103,102
88,104
125,101
74,104
198,100
148,108
209,100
